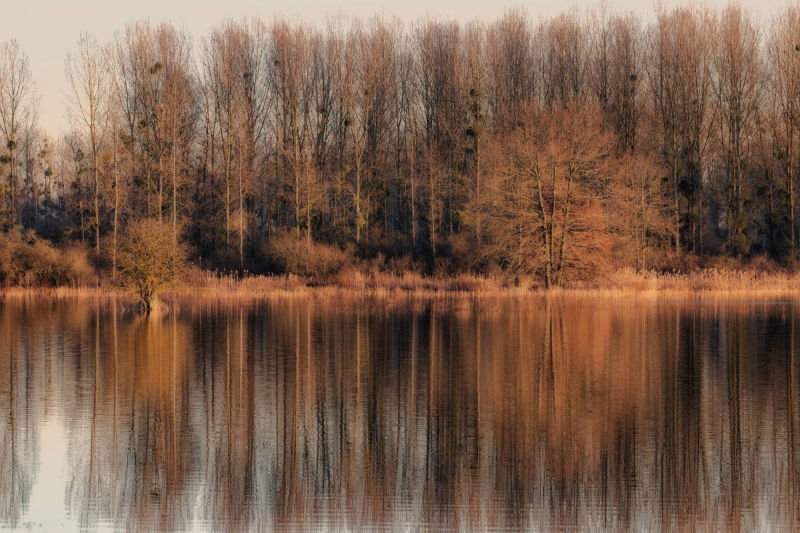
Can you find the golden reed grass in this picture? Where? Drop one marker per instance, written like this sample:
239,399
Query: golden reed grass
627,283
710,283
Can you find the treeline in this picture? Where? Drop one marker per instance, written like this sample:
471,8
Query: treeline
560,148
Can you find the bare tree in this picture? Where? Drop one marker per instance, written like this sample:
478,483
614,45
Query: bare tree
616,65
368,74
638,209
123,111
89,80
737,83
478,76
407,127
43,188
179,114
545,199
783,53
563,60
292,67
680,76
221,77
356,101
32,139
511,64
18,111
444,104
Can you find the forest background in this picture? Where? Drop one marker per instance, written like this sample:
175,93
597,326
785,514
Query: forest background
556,151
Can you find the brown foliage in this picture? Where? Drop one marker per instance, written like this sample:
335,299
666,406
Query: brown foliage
544,204
637,212
150,259
300,256
34,262
413,141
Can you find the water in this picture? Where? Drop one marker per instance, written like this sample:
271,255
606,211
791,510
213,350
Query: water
317,413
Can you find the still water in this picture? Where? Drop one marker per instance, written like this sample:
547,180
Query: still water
366,413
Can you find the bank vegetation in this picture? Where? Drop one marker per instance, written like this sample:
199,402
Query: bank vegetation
581,151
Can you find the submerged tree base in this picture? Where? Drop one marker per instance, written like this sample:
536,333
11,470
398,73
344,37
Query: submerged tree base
154,307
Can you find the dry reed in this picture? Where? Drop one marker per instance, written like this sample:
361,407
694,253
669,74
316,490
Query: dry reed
706,284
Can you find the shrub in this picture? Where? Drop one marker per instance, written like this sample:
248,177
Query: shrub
399,265
149,259
297,255
29,261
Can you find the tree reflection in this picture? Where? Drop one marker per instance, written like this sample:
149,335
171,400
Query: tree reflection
470,414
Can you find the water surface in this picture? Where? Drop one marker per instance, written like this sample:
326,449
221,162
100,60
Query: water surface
356,413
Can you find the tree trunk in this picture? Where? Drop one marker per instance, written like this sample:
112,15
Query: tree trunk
160,186
676,206
96,198
790,175
358,202
174,187
116,207
228,192
13,179
241,213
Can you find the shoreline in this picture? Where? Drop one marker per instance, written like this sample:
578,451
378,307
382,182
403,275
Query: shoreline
709,284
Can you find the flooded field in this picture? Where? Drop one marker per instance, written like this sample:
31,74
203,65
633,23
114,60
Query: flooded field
327,412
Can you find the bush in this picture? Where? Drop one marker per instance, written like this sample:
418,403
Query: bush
28,261
149,259
297,255
402,264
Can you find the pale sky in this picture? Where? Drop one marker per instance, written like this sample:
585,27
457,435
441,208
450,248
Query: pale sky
46,29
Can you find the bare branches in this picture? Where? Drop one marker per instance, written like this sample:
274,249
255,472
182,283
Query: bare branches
547,194
88,75
577,142
18,113
680,75
738,83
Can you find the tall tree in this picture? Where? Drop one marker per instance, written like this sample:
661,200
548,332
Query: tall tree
444,103
89,80
18,112
291,79
563,60
680,76
783,54
179,112
737,84
510,58
616,79
545,199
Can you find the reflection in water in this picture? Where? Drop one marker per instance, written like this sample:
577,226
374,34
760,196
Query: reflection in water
316,412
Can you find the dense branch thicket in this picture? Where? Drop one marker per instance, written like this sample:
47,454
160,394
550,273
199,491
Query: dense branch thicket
559,148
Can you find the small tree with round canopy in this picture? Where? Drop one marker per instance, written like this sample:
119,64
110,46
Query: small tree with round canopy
150,260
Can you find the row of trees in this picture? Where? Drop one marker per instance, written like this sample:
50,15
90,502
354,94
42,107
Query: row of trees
557,146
